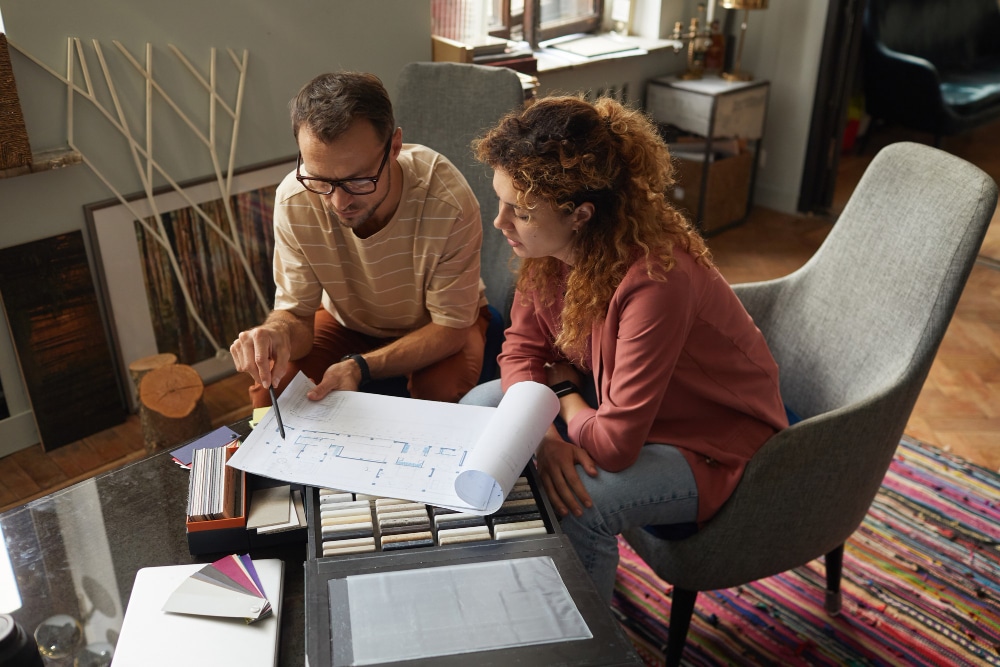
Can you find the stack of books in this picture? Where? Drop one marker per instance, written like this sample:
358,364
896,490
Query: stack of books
695,148
215,489
515,55
460,33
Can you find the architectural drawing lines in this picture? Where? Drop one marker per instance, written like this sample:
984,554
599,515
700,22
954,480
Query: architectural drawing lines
373,457
456,456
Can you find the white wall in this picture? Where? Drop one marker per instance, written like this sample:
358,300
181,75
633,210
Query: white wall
783,45
288,42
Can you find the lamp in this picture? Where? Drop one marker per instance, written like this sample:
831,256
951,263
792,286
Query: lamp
746,5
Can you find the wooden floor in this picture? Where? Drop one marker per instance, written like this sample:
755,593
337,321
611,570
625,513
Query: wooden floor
959,407
30,473
958,410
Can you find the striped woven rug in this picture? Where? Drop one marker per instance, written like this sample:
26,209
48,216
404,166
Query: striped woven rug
921,585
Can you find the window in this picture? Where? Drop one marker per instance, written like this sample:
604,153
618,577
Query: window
539,20
529,20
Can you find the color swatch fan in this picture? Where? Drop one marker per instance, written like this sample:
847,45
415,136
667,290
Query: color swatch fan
229,587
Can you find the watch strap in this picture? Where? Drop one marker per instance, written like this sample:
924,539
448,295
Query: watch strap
565,387
366,375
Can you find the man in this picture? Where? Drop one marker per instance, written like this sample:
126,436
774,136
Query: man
376,258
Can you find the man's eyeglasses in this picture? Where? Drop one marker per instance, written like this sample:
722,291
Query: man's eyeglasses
352,186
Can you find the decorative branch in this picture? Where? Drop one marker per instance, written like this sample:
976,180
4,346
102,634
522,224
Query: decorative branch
142,155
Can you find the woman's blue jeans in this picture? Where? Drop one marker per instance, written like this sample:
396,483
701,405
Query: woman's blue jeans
657,489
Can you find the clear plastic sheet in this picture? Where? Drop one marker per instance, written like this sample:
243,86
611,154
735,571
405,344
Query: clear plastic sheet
436,611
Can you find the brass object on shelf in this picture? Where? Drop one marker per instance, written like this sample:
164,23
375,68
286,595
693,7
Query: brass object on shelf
699,39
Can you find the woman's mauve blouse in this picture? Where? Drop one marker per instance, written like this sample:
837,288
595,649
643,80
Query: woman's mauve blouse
676,361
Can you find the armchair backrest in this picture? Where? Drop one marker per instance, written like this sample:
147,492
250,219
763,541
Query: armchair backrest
948,33
445,106
868,310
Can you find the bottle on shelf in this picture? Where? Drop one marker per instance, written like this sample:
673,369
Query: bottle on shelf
715,54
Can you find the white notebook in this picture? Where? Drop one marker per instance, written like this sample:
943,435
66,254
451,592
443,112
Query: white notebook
151,637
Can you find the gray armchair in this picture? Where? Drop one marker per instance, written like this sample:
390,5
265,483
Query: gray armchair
854,332
445,106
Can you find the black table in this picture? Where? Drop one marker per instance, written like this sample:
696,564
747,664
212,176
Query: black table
76,552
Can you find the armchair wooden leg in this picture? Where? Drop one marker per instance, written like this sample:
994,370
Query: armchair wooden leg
681,608
834,562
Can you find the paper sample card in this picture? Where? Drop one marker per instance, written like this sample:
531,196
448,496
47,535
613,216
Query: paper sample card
594,45
218,438
275,509
296,518
258,414
215,490
152,637
460,457
228,587
270,506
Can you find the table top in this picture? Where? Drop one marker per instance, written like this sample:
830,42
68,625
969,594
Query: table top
710,84
77,550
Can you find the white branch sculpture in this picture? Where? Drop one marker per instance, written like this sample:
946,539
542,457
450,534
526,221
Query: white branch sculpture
142,155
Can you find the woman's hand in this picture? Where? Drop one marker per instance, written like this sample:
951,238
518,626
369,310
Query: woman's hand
556,460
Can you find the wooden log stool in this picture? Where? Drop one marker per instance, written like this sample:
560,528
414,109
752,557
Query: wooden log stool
138,369
171,405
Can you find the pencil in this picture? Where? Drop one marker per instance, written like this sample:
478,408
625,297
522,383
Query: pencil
277,415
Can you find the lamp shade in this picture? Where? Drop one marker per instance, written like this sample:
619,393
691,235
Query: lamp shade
744,4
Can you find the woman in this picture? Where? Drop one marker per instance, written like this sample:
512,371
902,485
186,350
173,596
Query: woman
666,386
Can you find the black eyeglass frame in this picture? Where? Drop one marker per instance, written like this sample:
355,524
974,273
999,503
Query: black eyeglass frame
348,185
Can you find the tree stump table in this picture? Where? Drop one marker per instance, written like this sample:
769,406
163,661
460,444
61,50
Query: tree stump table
138,369
172,406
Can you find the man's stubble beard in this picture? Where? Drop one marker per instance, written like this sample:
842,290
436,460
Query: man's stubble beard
359,222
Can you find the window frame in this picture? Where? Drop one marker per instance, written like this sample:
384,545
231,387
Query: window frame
534,31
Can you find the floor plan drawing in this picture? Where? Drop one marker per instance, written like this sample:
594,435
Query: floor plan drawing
399,447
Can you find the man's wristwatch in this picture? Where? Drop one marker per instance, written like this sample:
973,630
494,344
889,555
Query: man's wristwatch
564,387
366,375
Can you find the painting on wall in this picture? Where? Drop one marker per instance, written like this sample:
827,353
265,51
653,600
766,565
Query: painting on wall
60,339
186,270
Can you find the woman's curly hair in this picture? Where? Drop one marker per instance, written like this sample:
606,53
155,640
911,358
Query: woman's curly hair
566,151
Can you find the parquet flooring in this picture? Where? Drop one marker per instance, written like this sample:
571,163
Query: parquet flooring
959,407
958,410
30,473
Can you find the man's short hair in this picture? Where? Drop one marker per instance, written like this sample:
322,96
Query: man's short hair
329,104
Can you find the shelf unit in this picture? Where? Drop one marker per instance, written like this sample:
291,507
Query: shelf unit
45,161
717,192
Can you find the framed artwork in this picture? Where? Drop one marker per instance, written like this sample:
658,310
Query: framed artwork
59,335
183,272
